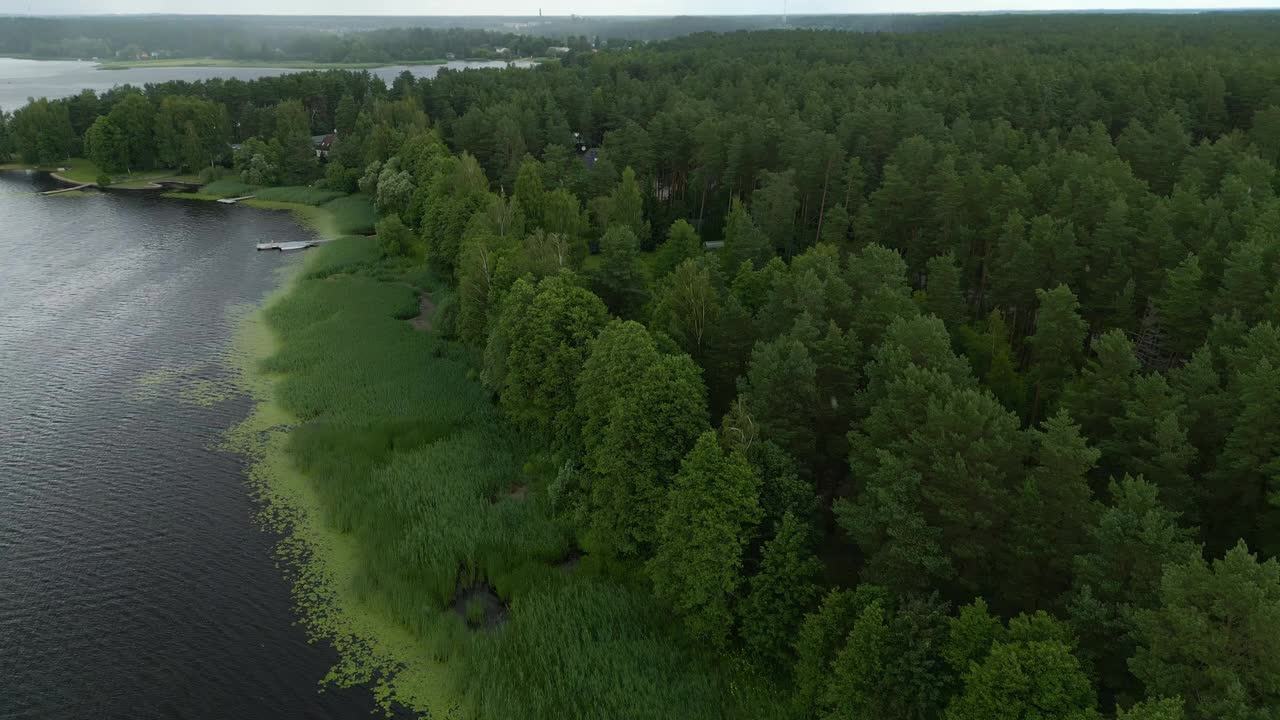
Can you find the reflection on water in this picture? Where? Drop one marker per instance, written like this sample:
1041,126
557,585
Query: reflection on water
133,583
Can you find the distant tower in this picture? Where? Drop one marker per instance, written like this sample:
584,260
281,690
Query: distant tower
539,12
784,13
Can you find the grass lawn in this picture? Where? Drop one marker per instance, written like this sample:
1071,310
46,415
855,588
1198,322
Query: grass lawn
77,170
224,62
82,170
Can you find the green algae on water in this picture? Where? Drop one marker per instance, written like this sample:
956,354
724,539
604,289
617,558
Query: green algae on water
320,562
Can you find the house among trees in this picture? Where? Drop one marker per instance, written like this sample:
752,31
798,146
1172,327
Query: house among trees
323,144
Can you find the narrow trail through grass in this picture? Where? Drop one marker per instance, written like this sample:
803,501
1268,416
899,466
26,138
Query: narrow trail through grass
375,445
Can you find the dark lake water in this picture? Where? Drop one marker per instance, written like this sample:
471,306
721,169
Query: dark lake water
133,581
21,79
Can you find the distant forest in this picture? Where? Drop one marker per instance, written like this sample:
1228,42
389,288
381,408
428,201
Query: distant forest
239,38
918,375
387,39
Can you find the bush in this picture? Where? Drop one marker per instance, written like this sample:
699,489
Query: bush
103,180
395,238
341,178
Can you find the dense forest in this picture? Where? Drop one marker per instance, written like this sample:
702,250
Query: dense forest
387,39
927,375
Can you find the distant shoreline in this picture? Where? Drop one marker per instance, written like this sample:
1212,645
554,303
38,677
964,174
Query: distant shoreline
275,64
284,64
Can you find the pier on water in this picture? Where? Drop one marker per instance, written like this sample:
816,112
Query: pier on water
294,245
68,189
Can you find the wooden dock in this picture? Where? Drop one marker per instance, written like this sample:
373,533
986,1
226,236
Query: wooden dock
233,201
282,246
68,189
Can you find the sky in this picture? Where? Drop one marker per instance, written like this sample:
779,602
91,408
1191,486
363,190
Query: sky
590,7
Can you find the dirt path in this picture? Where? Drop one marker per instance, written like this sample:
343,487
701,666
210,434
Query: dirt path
426,311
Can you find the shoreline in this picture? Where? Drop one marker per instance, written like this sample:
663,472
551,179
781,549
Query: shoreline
118,65
112,65
317,218
320,563
402,495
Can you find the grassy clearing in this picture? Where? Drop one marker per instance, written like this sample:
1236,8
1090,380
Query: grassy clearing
404,470
77,170
224,62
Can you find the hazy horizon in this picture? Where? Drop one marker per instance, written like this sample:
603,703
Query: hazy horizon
599,8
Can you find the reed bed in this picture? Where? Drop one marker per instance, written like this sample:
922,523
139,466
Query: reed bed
298,194
353,214
227,187
409,456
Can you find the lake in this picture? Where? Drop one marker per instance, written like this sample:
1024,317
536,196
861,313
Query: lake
22,79
134,582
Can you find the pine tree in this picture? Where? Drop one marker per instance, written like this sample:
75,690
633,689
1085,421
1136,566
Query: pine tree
1156,445
774,205
835,228
1057,344
1129,545
529,191
1051,514
972,633
1246,280
345,115
743,241
620,279
944,297
1247,477
625,206
682,244
837,359
1183,308
1100,392
1210,638
781,393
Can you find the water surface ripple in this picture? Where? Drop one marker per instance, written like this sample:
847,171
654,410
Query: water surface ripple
133,582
